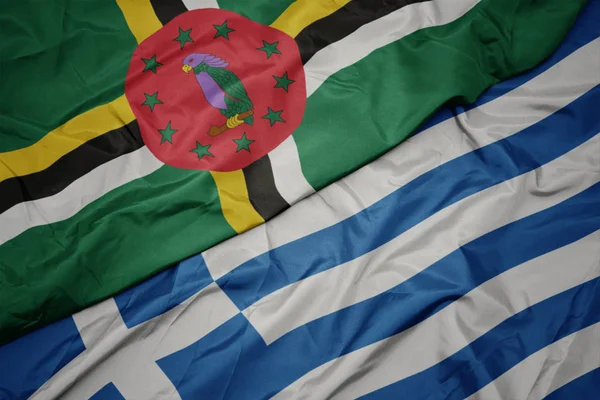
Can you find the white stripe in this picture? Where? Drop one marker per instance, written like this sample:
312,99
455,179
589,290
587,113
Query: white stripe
87,188
548,369
287,171
289,179
380,33
466,319
426,243
67,203
78,194
196,4
496,120
285,161
127,357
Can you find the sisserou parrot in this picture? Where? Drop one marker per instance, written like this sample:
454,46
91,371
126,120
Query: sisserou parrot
222,88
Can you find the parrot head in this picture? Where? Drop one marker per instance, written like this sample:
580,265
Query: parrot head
192,61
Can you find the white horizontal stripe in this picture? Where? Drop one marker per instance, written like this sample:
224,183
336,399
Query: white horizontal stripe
196,4
466,319
287,171
548,369
127,357
496,120
89,187
78,194
86,189
426,243
380,33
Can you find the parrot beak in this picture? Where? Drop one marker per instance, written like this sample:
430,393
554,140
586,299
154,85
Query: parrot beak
186,68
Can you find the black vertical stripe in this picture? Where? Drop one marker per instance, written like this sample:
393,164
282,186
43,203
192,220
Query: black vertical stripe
259,175
262,191
343,22
166,10
260,181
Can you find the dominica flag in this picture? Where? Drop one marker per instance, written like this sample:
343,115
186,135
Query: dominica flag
136,133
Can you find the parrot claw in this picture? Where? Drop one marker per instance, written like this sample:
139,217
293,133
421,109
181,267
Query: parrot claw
234,121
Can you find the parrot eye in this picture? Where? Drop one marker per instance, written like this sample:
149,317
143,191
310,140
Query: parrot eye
191,60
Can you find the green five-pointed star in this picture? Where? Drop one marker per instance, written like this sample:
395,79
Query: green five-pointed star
223,30
184,37
151,100
283,81
151,64
269,48
201,150
167,134
273,116
243,143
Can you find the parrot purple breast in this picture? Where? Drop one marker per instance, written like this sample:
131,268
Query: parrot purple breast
213,93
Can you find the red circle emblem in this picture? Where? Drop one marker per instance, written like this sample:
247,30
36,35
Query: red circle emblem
213,90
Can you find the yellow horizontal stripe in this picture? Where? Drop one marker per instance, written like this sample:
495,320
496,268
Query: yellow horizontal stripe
140,17
302,13
142,22
235,203
65,138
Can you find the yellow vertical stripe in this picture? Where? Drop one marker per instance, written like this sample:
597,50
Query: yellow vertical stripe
235,203
302,13
140,17
142,22
232,188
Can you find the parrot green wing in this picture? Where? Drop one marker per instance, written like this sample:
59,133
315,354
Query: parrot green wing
237,99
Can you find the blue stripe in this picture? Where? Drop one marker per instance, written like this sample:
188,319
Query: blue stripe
500,349
415,202
108,392
585,29
242,367
164,291
28,362
585,387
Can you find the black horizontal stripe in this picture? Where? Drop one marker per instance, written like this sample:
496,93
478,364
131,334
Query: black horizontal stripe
166,10
262,191
259,175
70,167
343,22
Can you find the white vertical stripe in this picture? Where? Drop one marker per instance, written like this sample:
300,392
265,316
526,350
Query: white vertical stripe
196,4
491,122
95,323
287,171
126,357
548,369
466,319
426,243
